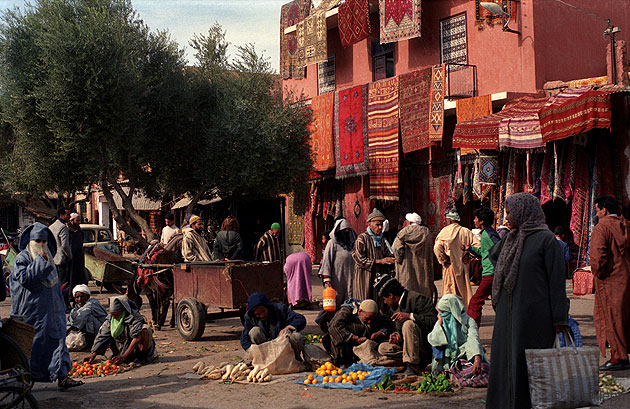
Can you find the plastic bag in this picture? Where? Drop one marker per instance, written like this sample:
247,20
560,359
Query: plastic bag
75,341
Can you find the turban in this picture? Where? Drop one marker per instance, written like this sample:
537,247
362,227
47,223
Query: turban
81,288
413,218
368,306
376,216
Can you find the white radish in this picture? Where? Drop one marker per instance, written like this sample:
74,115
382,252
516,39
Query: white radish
254,372
267,378
228,371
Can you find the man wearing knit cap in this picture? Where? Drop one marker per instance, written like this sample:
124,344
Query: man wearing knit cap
194,246
413,250
415,317
448,250
268,247
371,257
352,325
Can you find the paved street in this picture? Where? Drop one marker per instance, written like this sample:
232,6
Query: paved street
162,385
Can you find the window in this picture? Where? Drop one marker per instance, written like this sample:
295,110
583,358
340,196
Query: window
89,236
453,40
104,235
326,76
383,61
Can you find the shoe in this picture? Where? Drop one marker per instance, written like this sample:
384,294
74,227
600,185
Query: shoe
68,382
610,366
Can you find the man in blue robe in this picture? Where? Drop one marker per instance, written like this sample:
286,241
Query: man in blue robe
36,299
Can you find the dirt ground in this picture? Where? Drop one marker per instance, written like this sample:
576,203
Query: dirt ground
163,385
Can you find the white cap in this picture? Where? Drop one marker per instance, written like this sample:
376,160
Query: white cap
81,288
368,306
413,218
74,216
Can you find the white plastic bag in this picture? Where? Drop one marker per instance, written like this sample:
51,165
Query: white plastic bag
75,341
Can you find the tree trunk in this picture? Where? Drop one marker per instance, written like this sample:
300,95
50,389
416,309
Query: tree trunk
195,199
131,211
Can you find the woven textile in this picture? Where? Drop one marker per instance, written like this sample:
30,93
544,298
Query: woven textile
473,108
466,193
295,215
326,76
453,39
309,233
488,169
436,203
573,111
436,116
400,19
589,81
522,130
354,21
383,139
357,203
483,133
350,125
415,90
321,128
312,39
290,14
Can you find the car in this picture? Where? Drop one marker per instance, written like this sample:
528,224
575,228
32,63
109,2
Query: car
95,235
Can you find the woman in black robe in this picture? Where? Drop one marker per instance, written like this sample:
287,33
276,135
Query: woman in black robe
529,297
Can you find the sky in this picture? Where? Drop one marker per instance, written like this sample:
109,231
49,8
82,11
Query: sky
245,21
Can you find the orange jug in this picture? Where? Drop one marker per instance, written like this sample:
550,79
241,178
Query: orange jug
329,301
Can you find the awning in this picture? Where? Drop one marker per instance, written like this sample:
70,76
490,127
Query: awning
573,111
139,201
483,133
185,201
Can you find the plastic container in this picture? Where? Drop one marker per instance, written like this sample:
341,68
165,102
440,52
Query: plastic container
329,299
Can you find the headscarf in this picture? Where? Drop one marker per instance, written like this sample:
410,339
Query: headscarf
117,325
81,288
413,218
526,216
343,234
453,317
27,242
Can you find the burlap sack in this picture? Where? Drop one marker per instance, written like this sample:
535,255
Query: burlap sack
277,355
315,356
367,352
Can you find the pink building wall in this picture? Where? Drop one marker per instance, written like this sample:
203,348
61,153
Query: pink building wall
557,43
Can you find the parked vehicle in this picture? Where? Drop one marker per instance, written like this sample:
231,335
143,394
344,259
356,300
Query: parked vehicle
98,236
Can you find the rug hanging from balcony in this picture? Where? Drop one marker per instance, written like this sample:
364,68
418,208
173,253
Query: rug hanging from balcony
326,76
350,125
321,128
354,21
436,118
312,39
383,138
522,129
415,89
400,20
473,108
290,14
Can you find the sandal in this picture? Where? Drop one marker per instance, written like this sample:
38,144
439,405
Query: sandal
67,383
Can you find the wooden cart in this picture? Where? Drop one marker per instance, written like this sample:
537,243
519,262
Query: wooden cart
224,285
107,269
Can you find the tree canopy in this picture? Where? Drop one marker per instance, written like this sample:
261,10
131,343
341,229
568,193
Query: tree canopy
89,94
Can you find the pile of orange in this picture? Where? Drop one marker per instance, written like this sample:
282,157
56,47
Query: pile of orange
331,373
104,368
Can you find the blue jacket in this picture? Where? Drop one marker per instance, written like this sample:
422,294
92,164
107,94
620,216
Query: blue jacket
279,317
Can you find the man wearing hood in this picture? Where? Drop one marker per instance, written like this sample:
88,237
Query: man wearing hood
448,249
194,246
126,332
413,250
337,266
610,264
264,320
372,257
37,300
484,219
87,316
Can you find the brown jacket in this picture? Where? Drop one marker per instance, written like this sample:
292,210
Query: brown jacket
610,263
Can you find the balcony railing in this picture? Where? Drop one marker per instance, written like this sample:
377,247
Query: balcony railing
461,80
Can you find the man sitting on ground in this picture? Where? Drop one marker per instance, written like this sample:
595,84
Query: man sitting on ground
352,325
126,332
264,320
87,316
415,317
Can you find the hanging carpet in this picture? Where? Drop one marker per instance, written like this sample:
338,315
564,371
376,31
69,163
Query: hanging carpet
436,114
354,21
472,108
415,88
312,39
290,14
400,20
321,128
522,129
350,125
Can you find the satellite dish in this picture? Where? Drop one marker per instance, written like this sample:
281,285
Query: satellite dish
494,8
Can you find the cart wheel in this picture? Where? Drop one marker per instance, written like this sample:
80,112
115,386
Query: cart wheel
191,319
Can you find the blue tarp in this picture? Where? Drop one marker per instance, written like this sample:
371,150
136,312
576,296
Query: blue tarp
375,376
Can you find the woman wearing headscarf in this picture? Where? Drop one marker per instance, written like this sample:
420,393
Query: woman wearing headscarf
87,316
228,245
36,299
126,332
337,266
454,336
298,269
529,296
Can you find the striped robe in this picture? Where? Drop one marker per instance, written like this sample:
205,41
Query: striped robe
365,253
268,248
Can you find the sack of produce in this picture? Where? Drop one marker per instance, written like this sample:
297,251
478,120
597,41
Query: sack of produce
315,356
276,355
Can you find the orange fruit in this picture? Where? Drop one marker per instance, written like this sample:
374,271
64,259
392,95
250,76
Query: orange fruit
344,381
307,381
333,373
361,377
338,379
314,381
329,366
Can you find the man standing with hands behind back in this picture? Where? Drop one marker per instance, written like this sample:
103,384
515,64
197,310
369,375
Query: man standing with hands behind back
62,236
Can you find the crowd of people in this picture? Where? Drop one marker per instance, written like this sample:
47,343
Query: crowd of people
387,310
